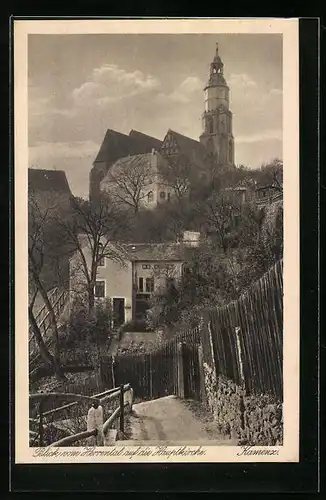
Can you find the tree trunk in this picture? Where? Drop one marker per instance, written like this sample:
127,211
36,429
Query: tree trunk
91,289
91,301
48,305
53,320
47,357
44,352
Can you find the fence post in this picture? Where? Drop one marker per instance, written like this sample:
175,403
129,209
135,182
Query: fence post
239,352
122,408
201,374
181,386
150,377
40,425
211,344
112,370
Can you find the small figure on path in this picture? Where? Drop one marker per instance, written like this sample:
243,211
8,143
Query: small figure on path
95,421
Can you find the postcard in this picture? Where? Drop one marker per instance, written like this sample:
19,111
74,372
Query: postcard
156,240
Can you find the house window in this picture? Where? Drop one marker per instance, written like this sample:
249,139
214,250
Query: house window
141,284
101,258
150,197
99,291
149,285
169,196
162,195
146,266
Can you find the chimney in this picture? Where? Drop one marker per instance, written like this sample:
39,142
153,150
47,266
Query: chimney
191,238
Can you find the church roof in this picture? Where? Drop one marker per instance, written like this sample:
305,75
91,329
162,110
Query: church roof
192,149
117,145
48,180
144,141
186,143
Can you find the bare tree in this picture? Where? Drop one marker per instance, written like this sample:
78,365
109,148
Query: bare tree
91,232
40,233
270,175
177,173
218,215
273,174
127,182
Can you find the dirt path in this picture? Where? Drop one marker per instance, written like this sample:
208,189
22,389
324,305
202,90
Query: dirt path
168,420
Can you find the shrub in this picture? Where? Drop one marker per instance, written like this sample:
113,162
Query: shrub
135,326
83,327
86,336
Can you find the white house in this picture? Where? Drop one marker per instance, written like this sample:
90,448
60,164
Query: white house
146,268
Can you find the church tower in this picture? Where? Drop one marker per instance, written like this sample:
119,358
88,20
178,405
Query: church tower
217,118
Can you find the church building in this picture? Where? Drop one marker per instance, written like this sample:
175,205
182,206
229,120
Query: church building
119,151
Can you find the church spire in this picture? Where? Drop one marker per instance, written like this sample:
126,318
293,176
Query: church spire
217,134
216,70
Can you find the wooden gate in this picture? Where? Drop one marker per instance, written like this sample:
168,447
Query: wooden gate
158,374
136,369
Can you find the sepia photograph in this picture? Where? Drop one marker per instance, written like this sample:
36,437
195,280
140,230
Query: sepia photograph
156,176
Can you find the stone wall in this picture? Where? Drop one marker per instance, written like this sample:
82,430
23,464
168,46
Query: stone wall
253,419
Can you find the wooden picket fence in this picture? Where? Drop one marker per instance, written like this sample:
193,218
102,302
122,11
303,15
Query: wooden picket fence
242,341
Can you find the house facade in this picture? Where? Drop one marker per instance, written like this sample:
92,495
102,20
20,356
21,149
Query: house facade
144,269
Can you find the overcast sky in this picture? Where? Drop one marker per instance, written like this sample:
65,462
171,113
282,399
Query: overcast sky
81,85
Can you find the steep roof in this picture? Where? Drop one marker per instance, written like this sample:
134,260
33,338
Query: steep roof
185,142
114,146
48,180
145,142
190,148
117,145
135,252
154,251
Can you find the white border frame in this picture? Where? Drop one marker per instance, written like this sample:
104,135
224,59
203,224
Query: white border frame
289,452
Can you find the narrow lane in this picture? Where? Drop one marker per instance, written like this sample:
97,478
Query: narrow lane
168,420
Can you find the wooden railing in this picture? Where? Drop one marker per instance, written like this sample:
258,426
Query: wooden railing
104,397
267,199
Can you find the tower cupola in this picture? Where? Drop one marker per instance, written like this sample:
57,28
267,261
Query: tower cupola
216,76
217,118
